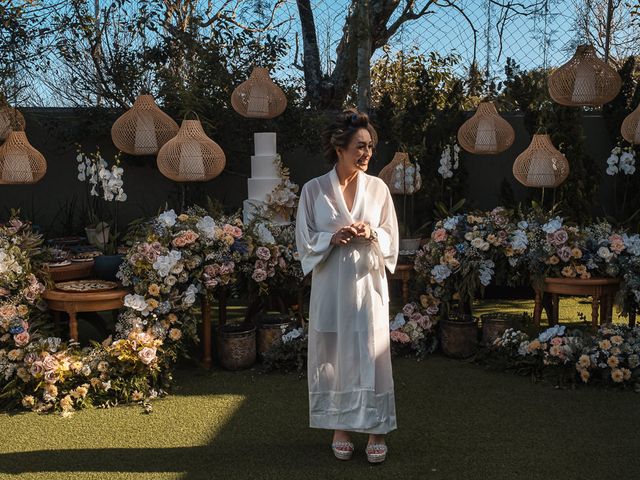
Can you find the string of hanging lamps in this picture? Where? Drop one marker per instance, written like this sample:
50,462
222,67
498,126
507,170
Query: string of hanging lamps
20,163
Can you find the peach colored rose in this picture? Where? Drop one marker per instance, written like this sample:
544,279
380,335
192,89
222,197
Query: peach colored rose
439,235
21,339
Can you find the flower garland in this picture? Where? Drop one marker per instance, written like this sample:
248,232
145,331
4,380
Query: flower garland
412,331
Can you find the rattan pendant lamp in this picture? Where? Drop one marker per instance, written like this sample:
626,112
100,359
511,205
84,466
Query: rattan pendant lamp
191,156
486,132
541,164
10,119
631,127
143,129
20,163
585,80
258,96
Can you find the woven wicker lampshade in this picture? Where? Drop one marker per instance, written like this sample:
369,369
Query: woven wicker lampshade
19,162
585,80
541,164
143,129
10,119
486,132
191,156
258,96
387,174
631,126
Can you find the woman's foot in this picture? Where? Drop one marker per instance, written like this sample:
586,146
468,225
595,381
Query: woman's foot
376,449
342,446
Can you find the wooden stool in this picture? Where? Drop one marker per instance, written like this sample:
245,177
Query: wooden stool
403,272
602,291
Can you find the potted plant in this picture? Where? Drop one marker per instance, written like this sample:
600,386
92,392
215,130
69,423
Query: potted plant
107,185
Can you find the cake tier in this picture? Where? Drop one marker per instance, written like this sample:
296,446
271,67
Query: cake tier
265,143
259,188
264,166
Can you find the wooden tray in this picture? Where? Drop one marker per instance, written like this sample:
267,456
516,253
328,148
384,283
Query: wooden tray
79,286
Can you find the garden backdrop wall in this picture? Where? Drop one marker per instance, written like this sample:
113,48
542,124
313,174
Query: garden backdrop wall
57,202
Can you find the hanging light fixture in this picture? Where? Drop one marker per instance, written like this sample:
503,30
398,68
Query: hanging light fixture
258,96
631,127
20,163
10,119
143,129
585,80
191,156
486,132
541,164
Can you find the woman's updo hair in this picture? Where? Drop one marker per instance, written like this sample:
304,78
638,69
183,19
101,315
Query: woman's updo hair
342,130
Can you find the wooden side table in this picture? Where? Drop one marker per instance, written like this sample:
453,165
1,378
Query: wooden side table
74,302
403,272
602,291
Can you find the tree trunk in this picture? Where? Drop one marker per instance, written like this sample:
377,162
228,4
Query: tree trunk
364,57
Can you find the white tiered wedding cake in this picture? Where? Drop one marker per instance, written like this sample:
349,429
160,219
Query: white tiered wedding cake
265,177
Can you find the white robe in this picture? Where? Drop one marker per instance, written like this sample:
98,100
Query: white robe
349,361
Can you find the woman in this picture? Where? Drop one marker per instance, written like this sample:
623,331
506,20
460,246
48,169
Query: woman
346,234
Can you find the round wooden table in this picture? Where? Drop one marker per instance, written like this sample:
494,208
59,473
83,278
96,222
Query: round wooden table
601,290
74,302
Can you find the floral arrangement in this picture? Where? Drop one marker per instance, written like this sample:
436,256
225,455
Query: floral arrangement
621,161
413,329
449,160
273,263
290,353
406,177
611,356
107,184
179,256
283,199
463,252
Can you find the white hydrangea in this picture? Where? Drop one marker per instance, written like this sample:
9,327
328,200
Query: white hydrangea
168,218
207,227
165,263
292,335
552,225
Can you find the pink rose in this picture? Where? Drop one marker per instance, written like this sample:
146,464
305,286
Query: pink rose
147,355
564,253
263,253
556,341
4,292
236,232
8,312
617,243
259,275
439,235
398,336
559,237
50,362
408,309
21,339
416,316
50,376
36,369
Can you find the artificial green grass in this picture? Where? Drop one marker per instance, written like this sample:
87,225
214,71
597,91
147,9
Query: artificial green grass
456,421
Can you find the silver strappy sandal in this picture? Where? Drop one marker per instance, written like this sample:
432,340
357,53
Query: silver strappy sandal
376,452
343,450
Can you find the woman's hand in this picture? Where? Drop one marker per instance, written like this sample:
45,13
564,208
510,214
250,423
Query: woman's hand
362,229
344,235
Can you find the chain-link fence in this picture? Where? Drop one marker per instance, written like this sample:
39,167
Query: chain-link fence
536,34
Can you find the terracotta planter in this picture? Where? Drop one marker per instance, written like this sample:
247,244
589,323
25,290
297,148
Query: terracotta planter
270,331
237,346
459,337
495,324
